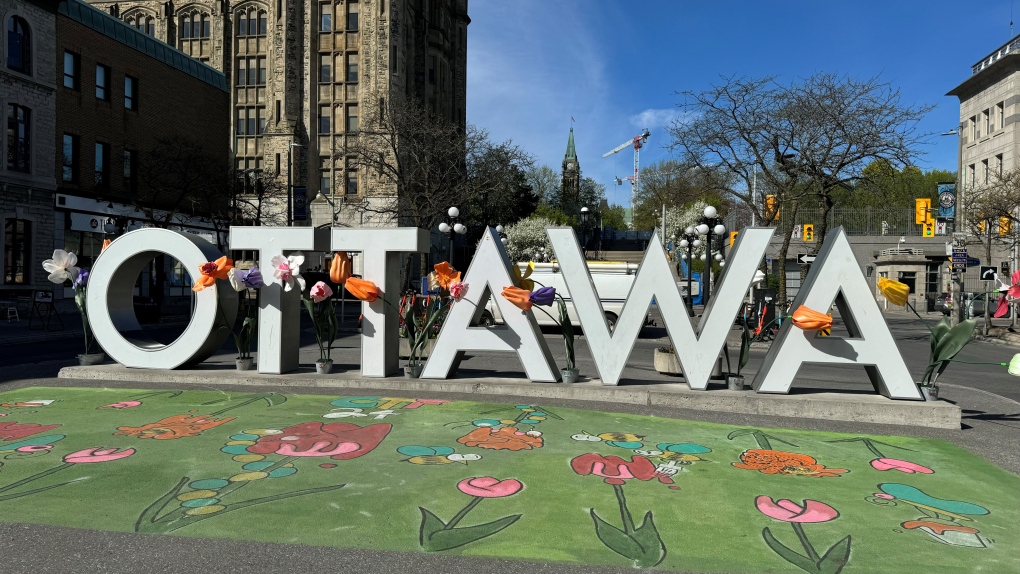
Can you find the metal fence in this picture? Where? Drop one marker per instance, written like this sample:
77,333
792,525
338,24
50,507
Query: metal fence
855,220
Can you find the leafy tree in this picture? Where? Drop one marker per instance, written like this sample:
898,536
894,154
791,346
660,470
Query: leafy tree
613,217
674,183
545,183
498,190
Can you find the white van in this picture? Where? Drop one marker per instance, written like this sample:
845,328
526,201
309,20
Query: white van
612,284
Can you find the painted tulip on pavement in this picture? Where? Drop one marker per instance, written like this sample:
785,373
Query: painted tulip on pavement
436,535
808,512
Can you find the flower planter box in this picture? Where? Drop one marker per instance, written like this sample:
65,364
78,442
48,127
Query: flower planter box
666,363
423,353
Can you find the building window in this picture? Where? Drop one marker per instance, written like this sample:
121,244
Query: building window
998,165
352,182
352,16
352,67
1000,110
130,93
70,170
352,119
102,165
251,71
970,175
129,164
987,121
325,17
974,133
19,140
19,45
102,82
17,251
206,26
186,27
71,70
144,24
251,121
984,168
325,71
432,69
242,24
324,119
324,175
262,24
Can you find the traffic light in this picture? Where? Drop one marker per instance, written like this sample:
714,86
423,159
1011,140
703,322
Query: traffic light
771,208
928,228
1005,225
922,210
733,238
981,226
809,233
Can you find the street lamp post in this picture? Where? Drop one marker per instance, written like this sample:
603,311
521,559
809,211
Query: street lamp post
585,215
708,225
457,227
689,240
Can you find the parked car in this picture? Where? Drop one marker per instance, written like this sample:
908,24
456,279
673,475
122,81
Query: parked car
943,303
974,304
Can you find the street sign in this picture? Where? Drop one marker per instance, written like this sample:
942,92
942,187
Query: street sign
973,262
1005,267
960,240
987,273
940,227
804,258
959,260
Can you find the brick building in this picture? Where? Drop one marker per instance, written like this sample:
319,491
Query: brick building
27,183
303,73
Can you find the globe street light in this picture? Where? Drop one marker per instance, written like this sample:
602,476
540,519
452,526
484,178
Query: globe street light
452,226
688,241
709,225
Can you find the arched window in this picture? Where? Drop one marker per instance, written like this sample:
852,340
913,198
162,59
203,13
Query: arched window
253,23
19,45
206,26
130,21
150,25
242,24
186,27
262,24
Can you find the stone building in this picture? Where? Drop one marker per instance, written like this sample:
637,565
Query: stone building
570,180
27,182
302,73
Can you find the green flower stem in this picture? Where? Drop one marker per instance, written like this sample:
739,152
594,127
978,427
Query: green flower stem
762,440
799,529
926,325
238,405
463,512
621,499
873,449
36,476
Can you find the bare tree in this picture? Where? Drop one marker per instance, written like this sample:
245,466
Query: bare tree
803,142
674,184
177,178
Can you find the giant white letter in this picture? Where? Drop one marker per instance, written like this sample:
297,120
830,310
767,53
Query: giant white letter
488,274
382,249
696,351
279,310
835,275
111,300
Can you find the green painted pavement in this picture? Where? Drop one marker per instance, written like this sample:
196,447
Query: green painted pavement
511,481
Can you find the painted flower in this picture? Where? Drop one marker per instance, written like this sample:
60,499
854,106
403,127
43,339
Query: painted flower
106,243
320,292
98,454
174,427
522,278
62,266
894,291
362,289
615,470
82,279
211,271
340,268
900,465
458,290
952,534
339,441
445,274
506,438
15,431
253,278
288,270
544,296
489,487
811,320
122,405
519,297
787,463
810,512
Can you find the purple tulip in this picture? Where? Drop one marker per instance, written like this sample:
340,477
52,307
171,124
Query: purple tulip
544,296
81,279
253,279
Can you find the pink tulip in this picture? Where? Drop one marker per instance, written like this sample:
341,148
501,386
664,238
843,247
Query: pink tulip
34,448
320,292
458,290
489,487
789,511
900,465
122,405
98,454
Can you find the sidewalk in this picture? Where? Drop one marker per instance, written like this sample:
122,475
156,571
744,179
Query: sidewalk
14,332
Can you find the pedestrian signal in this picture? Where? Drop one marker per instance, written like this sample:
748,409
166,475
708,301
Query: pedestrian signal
928,228
1005,225
809,233
922,210
733,238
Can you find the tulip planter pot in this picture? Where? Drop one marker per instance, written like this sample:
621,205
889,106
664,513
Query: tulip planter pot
735,382
569,375
244,364
930,392
323,367
413,371
666,362
86,359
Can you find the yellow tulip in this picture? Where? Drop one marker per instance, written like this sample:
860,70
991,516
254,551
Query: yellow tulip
522,278
895,291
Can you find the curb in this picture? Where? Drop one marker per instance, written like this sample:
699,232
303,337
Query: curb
997,341
849,407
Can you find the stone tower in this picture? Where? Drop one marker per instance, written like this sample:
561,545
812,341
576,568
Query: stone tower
570,183
302,72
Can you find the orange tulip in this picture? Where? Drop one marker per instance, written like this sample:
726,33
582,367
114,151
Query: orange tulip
445,274
211,271
811,320
106,243
340,268
521,298
362,289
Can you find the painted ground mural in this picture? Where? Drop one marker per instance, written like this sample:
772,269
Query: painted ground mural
522,481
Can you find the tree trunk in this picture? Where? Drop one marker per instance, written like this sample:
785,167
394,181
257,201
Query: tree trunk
781,296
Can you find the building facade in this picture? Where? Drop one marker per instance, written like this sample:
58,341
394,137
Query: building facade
301,75
27,182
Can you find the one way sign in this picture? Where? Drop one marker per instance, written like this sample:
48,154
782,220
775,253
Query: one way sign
804,258
988,273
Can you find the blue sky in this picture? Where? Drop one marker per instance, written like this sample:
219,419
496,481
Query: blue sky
616,65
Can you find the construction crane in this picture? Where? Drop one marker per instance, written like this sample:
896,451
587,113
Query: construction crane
637,142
